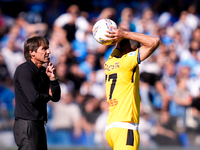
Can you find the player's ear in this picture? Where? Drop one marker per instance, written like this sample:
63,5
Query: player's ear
32,53
133,47
134,44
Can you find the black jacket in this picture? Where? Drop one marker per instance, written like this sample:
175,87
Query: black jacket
31,86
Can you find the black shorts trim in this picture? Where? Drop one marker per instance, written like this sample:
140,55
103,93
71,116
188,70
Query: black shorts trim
130,138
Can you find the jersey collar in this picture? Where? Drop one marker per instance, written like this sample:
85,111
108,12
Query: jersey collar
116,53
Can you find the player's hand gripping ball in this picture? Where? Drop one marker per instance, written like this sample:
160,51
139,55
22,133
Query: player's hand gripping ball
99,31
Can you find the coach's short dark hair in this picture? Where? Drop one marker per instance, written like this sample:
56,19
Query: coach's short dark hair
128,44
32,44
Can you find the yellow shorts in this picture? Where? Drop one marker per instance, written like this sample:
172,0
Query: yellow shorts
123,139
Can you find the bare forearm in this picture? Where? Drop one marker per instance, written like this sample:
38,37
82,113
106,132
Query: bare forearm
149,43
145,40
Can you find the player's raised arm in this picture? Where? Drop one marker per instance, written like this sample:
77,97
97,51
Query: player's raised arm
148,43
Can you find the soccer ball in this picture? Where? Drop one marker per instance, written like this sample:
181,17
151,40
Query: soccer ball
99,31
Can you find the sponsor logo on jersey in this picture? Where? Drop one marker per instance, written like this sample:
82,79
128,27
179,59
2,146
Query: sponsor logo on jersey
132,54
111,67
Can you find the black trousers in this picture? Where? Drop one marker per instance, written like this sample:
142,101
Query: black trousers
30,135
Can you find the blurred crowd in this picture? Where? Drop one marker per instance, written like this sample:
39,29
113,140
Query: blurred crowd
169,82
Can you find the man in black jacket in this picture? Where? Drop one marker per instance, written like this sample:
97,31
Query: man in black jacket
34,86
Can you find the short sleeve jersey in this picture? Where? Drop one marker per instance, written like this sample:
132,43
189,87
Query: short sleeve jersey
122,86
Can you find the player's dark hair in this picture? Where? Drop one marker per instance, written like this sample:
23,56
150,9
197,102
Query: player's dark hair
32,44
128,44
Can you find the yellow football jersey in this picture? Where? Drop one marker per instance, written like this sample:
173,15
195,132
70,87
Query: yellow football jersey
122,86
